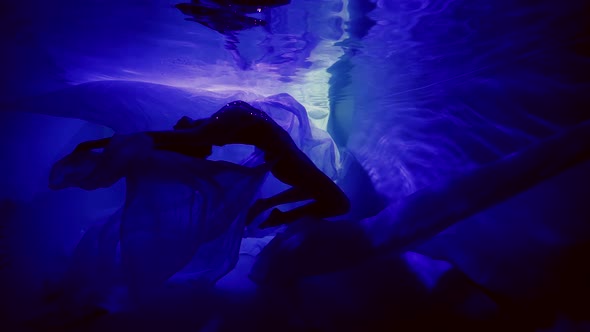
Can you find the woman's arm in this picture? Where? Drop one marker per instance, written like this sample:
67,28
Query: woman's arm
94,144
166,139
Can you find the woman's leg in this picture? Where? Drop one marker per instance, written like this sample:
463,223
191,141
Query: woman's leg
308,182
316,209
291,195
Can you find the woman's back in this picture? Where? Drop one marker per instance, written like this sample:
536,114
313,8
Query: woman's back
239,123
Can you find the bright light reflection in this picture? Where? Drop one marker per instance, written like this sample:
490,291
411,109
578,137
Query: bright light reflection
309,86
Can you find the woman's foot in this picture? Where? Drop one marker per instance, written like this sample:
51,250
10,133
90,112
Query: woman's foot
257,208
274,219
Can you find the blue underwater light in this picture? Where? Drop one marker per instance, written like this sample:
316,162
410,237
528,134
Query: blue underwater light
295,165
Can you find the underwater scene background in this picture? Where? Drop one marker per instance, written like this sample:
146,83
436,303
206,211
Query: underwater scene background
459,129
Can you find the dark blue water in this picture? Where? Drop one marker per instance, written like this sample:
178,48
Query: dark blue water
409,106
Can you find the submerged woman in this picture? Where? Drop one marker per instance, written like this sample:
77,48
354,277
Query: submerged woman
240,123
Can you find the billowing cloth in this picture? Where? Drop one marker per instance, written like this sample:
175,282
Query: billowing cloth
333,265
410,222
182,220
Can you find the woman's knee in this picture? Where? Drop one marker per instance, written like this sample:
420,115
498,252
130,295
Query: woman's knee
343,204
338,204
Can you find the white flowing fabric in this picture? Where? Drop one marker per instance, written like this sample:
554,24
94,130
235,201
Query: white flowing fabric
182,220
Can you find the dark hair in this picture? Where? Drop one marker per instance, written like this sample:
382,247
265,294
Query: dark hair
203,151
187,123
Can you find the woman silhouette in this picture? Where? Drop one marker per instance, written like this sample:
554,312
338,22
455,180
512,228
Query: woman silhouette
240,123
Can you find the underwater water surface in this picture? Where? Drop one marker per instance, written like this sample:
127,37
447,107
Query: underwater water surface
459,130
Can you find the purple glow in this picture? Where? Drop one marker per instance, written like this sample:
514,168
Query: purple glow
459,220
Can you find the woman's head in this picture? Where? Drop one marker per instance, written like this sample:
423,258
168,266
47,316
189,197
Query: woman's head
187,123
73,170
85,170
